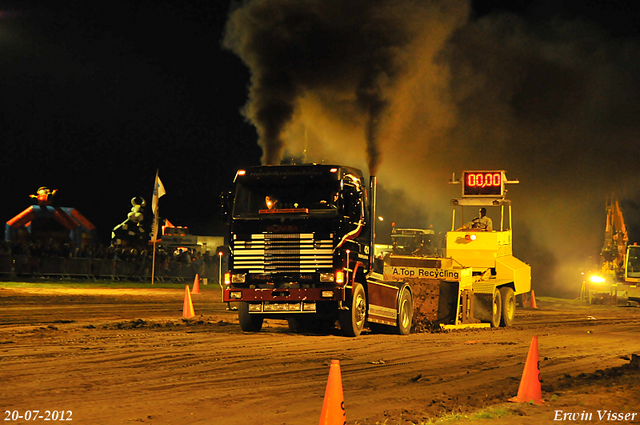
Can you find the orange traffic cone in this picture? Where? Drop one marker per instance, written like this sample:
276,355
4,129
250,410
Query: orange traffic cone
533,299
187,309
529,390
333,407
196,285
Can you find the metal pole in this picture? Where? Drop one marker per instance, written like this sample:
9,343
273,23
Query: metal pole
153,263
220,269
453,220
220,280
153,241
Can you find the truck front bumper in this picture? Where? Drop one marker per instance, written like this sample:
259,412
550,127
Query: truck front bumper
283,295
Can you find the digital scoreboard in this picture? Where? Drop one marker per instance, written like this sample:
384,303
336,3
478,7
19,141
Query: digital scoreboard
483,184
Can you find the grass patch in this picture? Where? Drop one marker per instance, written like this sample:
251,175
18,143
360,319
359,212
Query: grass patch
491,413
453,418
449,418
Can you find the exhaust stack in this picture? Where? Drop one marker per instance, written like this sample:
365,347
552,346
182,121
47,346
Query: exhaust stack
372,218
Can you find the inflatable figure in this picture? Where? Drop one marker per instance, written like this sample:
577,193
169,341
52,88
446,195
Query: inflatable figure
131,232
43,196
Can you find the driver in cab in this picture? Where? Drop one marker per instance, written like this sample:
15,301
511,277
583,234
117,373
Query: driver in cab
482,222
270,202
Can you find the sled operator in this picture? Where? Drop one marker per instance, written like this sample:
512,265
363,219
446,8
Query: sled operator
480,223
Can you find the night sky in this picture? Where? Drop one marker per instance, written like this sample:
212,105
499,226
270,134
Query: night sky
97,96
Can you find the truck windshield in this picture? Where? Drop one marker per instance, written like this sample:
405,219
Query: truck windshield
259,198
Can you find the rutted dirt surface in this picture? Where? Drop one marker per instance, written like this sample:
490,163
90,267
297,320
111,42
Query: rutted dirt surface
118,356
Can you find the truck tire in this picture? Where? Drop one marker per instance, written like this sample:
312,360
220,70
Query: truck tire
496,315
508,306
249,322
352,320
405,313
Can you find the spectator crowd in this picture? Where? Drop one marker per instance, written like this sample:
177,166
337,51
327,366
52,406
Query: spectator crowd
52,257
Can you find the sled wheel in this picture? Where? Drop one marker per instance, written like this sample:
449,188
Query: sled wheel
508,306
496,315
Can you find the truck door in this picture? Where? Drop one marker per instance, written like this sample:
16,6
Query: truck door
354,213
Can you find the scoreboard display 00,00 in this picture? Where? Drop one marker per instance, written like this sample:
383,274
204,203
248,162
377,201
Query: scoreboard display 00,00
483,183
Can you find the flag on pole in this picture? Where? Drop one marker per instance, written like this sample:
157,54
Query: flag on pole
158,192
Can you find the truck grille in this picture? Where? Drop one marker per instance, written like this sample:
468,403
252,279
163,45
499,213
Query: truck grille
283,253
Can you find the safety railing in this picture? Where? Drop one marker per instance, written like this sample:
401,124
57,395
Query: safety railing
16,266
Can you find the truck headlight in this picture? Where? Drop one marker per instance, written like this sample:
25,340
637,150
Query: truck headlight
596,279
327,277
236,295
337,277
237,278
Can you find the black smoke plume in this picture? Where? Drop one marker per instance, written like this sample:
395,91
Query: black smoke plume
350,50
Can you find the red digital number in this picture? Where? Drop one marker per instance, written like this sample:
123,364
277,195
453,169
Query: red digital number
484,179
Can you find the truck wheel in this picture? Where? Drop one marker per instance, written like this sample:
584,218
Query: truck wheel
508,306
249,322
405,313
352,320
496,315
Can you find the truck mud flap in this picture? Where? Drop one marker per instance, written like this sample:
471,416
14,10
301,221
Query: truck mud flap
383,302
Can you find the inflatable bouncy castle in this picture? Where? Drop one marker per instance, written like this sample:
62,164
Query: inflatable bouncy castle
46,221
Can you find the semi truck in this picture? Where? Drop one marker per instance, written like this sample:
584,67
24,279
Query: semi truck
302,238
302,249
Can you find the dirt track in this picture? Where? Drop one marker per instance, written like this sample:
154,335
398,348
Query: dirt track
114,356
